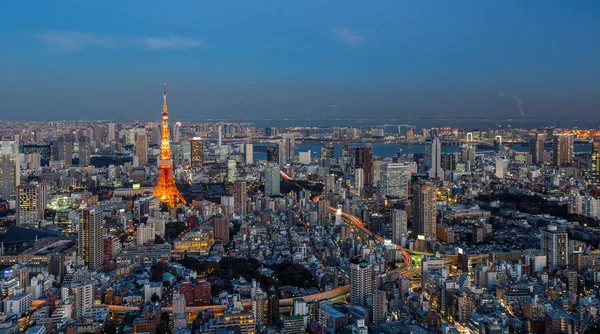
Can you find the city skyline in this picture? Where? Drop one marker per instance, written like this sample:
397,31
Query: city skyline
401,60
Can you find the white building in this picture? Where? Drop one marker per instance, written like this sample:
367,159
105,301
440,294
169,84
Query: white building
145,234
304,157
394,179
16,305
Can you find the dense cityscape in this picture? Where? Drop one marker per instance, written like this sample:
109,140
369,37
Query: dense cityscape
191,227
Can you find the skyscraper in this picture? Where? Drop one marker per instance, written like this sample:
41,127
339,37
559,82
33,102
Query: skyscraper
596,161
435,160
249,153
10,170
326,153
424,209
359,179
31,202
364,160
241,195
562,149
554,246
361,281
272,180
394,179
84,150
111,132
231,170
286,149
399,226
65,149
536,148
83,298
141,147
89,236
380,307
501,167
197,152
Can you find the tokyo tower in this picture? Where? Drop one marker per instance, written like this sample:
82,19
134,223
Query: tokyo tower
165,190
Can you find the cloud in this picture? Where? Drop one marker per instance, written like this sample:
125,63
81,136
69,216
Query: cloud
347,36
64,42
73,41
171,42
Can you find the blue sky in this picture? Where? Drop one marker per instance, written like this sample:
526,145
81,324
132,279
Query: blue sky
255,59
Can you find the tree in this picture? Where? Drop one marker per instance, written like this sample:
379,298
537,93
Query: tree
155,298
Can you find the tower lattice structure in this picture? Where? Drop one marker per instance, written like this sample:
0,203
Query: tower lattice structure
166,190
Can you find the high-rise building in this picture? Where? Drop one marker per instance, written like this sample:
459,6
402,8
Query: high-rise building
179,314
361,282
241,197
449,160
249,153
111,132
326,152
286,149
65,149
554,244
536,148
273,308
380,307
562,149
258,306
272,180
364,160
424,209
84,150
197,152
394,178
221,229
434,160
501,167
145,234
10,170
89,234
596,161
166,190
31,202
399,226
231,170
46,152
349,157
83,298
141,147
359,179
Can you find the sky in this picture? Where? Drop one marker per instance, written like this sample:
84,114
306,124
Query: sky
300,59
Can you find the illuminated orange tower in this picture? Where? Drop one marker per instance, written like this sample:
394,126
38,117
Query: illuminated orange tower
165,190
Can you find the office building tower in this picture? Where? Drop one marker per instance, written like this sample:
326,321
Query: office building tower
272,180
241,195
359,179
498,144
348,157
221,229
434,160
380,307
65,149
562,149
394,178
329,183
197,152
361,282
10,170
536,148
84,144
501,167
364,160
249,153
89,235
327,152
596,161
554,244
231,170
449,161
399,226
111,132
31,202
286,149
141,147
304,157
424,209
145,234
273,308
